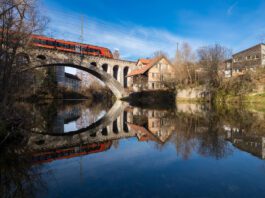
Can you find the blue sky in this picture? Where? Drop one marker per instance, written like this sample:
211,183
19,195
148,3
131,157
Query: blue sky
138,28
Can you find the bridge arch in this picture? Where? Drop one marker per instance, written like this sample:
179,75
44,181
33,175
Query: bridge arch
116,88
41,57
104,131
115,127
105,67
22,59
125,79
115,71
94,64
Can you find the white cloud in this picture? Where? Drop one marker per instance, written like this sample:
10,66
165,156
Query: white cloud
231,8
132,40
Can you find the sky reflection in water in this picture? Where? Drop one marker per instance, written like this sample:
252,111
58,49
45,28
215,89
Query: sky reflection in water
191,151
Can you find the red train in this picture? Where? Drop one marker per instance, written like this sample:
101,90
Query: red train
68,46
66,153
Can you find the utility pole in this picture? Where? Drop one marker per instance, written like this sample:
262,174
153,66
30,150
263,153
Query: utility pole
82,30
82,36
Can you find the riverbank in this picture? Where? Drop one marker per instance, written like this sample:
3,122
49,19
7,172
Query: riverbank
152,99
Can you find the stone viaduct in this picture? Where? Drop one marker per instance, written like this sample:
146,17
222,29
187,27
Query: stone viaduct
114,125
112,72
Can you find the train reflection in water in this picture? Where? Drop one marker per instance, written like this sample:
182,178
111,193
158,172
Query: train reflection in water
145,125
181,127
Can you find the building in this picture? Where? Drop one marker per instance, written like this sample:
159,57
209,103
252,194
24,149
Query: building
248,141
67,80
152,125
248,59
72,82
153,74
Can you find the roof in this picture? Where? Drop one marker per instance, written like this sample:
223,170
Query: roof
71,76
151,63
249,48
142,133
144,61
62,40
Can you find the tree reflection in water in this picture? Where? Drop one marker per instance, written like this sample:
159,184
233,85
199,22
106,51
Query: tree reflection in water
18,176
191,129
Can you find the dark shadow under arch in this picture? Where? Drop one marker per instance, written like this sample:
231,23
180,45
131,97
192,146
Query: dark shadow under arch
41,57
115,71
105,67
116,88
125,79
94,64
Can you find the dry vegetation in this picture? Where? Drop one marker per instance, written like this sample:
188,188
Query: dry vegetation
18,20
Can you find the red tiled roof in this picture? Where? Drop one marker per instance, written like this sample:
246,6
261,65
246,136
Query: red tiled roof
146,67
144,61
142,133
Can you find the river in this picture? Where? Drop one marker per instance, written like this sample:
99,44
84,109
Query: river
75,149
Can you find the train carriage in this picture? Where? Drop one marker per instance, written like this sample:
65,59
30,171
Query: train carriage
68,46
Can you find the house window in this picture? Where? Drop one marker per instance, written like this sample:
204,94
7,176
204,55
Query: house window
153,75
257,56
153,85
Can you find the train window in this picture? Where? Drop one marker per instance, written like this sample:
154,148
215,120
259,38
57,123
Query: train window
36,40
41,41
71,47
77,49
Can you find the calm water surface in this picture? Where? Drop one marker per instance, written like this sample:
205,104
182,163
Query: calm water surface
80,150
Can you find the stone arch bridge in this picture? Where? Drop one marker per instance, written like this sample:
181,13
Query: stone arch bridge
112,72
112,126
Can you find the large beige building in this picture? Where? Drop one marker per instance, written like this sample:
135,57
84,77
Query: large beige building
152,74
248,59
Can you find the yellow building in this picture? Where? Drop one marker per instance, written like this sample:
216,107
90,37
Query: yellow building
153,74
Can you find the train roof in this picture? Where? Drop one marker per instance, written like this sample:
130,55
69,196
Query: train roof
70,41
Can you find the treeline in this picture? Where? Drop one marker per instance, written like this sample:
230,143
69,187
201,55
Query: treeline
206,66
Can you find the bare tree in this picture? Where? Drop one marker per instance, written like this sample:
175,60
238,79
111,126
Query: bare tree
211,58
19,19
159,53
185,64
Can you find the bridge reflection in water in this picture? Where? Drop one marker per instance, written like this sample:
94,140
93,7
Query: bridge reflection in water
95,132
116,149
